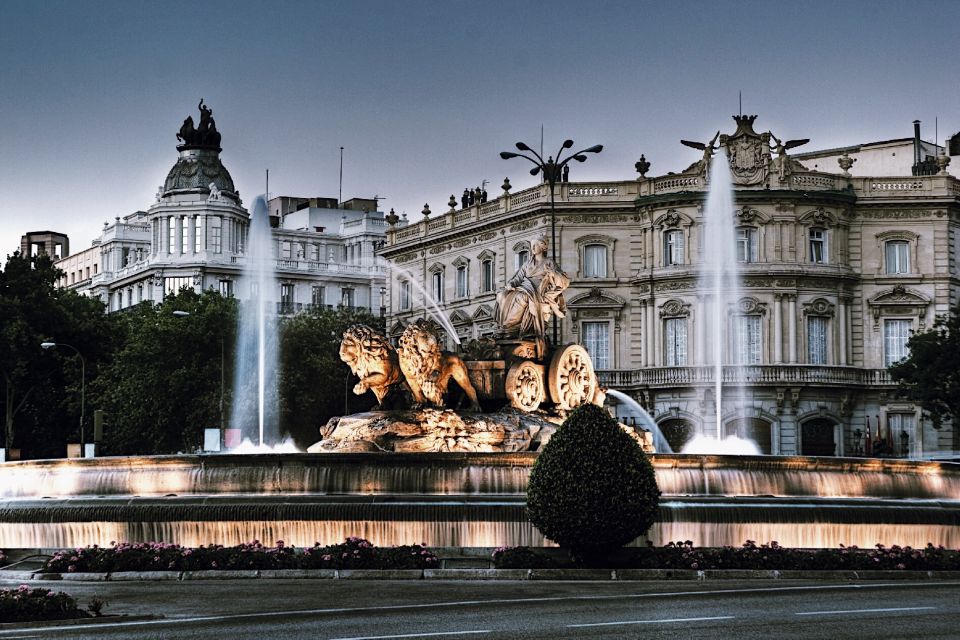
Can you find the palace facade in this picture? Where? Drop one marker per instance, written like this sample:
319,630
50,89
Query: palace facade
194,236
838,267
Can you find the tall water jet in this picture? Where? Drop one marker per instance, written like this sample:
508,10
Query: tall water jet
255,401
720,274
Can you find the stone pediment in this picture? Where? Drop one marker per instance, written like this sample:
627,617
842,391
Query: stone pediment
673,218
483,312
900,295
818,217
459,317
674,309
598,299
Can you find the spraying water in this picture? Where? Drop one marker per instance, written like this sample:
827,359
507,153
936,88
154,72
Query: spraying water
429,303
720,273
256,399
644,420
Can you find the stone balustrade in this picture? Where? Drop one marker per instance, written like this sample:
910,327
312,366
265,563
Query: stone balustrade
746,374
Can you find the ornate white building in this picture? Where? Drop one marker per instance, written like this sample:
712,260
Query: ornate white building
194,236
838,268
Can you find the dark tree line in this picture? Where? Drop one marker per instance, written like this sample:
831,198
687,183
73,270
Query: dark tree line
155,374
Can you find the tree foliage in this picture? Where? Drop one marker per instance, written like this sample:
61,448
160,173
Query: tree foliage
315,384
592,489
42,388
931,373
163,387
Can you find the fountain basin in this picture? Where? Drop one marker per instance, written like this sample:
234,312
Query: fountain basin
462,499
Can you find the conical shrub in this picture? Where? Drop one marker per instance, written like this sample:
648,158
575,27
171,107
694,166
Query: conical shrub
592,489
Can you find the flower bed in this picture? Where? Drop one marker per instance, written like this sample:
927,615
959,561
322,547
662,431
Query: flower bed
24,604
353,553
683,555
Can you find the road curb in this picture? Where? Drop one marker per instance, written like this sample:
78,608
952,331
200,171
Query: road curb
561,575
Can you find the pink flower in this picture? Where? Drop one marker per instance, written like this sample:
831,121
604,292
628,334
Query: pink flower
72,568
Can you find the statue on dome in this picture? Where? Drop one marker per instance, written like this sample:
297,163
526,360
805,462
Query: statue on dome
533,295
205,134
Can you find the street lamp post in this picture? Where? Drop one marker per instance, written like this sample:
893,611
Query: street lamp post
223,425
83,388
551,170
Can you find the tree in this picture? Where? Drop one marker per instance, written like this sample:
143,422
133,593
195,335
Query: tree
314,384
592,489
41,389
163,386
931,373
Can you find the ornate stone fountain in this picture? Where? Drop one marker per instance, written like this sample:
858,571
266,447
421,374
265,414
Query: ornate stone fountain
517,387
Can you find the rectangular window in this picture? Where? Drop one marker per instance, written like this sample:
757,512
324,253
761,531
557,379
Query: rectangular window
902,428
896,333
522,257
675,332
818,246
596,340
673,248
437,286
897,257
215,237
816,340
318,296
172,286
486,275
286,298
746,244
197,234
462,281
746,340
404,295
171,235
347,298
184,234
286,254
595,261
226,288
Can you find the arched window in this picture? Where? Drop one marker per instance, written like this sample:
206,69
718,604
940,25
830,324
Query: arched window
677,432
751,429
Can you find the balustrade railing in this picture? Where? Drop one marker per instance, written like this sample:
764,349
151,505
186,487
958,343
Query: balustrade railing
747,374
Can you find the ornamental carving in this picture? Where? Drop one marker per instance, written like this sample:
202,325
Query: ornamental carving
670,219
748,152
674,286
488,235
818,307
746,216
523,226
674,309
753,283
407,257
463,242
751,306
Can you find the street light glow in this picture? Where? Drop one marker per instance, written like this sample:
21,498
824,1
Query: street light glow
48,345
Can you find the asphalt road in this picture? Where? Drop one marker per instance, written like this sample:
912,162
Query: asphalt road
375,610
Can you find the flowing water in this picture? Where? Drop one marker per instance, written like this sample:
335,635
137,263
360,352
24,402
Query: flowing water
429,303
255,401
448,499
644,420
720,276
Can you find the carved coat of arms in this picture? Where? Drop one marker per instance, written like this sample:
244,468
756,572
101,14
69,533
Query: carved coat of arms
748,152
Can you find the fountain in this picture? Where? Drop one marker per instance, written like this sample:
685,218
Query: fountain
255,384
462,478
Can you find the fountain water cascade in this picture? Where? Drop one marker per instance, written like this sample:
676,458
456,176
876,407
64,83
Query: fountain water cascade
720,276
255,385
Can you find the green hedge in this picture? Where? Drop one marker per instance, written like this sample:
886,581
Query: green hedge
592,489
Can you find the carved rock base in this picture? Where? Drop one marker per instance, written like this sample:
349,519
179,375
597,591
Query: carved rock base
422,430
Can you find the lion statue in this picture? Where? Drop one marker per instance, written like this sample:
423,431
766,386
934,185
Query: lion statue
372,359
428,369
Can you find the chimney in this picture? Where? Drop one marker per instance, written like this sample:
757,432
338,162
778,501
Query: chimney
916,143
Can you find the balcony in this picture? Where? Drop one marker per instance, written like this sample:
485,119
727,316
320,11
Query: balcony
772,375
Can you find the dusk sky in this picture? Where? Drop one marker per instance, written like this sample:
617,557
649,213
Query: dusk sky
424,95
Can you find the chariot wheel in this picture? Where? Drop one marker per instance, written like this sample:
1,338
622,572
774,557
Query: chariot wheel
571,379
525,386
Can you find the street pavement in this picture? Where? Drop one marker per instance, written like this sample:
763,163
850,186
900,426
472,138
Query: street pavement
380,610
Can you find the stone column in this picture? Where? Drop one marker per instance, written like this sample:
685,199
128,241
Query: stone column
700,318
777,328
792,324
648,333
842,329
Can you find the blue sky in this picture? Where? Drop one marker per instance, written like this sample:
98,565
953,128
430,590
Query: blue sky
424,95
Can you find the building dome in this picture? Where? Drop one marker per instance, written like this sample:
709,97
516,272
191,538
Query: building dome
195,170
199,169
